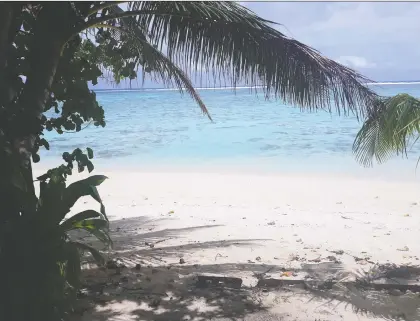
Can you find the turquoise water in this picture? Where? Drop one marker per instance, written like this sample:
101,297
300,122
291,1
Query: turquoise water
162,127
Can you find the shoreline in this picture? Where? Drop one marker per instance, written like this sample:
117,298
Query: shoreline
396,170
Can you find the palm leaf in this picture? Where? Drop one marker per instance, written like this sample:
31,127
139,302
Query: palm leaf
160,67
388,129
234,45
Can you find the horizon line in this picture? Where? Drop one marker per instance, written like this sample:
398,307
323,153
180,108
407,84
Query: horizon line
414,82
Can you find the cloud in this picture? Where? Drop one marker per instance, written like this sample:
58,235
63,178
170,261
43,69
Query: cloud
382,34
355,62
378,39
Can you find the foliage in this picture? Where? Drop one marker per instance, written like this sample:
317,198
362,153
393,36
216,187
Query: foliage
391,125
43,243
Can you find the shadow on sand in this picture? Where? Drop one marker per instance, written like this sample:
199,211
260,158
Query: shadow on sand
144,286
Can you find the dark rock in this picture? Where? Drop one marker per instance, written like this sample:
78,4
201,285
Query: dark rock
332,259
204,281
155,303
111,264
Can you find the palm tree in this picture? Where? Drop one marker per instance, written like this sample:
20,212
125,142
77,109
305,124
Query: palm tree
173,39
390,126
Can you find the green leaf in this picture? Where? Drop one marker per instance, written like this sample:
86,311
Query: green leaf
90,152
91,224
102,236
81,188
99,258
70,222
95,180
66,156
90,166
36,158
44,143
95,194
103,212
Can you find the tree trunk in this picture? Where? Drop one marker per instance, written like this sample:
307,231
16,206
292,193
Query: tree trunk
44,58
23,300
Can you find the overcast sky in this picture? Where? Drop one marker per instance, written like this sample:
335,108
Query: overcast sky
379,39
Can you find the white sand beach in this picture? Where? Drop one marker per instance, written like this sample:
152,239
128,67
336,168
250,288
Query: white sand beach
237,224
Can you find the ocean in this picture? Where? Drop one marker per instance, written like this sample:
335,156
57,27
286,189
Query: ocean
164,128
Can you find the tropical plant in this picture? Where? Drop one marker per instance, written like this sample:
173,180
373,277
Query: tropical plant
43,242
391,125
51,52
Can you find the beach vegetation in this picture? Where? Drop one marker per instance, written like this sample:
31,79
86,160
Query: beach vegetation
391,128
40,260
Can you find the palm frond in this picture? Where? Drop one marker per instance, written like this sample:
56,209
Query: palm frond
152,59
233,44
391,124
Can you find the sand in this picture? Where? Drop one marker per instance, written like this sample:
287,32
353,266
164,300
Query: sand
242,223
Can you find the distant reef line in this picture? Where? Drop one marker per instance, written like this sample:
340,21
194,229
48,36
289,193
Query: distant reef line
384,83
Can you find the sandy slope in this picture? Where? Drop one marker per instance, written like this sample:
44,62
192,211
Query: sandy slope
220,220
278,215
